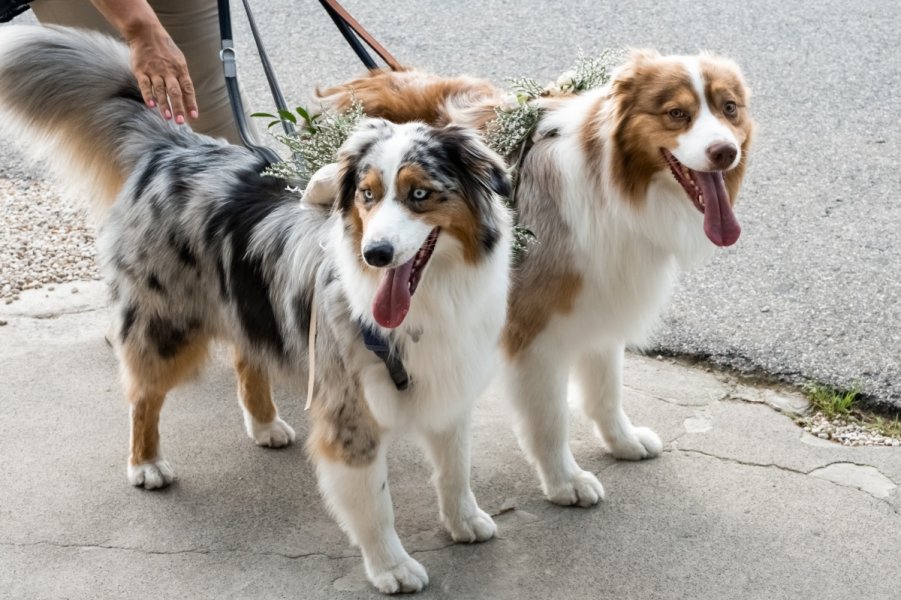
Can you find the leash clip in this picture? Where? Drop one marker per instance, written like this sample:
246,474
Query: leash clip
229,57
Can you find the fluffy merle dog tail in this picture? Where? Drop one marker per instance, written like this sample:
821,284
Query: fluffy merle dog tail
69,97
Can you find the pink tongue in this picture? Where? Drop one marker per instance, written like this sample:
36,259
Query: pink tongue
392,299
720,224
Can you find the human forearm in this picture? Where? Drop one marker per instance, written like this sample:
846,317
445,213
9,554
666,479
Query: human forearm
131,18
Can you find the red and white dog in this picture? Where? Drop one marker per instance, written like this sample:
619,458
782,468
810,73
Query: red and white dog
622,186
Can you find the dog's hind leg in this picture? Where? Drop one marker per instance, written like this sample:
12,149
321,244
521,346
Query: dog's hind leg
600,376
536,383
261,418
148,377
449,451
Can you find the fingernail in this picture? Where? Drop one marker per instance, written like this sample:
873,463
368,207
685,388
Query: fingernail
193,114
151,104
168,114
180,120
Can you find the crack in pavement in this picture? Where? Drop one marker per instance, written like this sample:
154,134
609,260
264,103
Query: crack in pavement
894,509
671,402
177,552
735,460
212,552
51,316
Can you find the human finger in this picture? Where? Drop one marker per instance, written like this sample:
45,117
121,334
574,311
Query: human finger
173,90
190,97
146,90
161,96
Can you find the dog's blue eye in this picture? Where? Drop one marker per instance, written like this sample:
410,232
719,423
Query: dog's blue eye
420,194
367,194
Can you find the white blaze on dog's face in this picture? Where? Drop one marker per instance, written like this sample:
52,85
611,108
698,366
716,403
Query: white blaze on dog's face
404,187
708,133
688,115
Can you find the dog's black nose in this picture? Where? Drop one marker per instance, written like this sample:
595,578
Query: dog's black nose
378,254
721,155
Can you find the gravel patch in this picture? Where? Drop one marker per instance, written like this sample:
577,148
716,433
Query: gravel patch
44,240
846,433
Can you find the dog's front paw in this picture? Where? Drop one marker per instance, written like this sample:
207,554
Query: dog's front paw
581,488
151,475
408,576
275,434
476,526
635,443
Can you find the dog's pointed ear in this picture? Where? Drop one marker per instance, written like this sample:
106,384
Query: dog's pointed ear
480,170
323,185
352,152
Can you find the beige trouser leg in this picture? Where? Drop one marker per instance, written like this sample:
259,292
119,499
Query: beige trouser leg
194,27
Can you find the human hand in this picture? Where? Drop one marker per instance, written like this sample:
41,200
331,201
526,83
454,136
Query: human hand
162,74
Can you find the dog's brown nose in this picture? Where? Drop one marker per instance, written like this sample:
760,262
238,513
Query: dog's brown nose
721,155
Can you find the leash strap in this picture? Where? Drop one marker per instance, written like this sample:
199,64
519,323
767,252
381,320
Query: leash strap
311,349
274,88
352,31
349,27
379,346
229,57
10,9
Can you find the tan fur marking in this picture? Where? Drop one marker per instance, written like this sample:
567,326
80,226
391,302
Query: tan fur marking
106,176
530,310
448,211
592,143
254,390
355,222
345,433
148,378
406,96
647,89
145,436
362,211
372,181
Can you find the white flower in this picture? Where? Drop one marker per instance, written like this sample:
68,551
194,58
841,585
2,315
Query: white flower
566,81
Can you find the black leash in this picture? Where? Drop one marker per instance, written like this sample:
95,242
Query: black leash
10,9
352,31
229,57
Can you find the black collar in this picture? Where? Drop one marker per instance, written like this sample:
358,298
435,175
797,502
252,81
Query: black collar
379,345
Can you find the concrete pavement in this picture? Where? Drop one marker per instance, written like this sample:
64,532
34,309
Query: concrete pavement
742,504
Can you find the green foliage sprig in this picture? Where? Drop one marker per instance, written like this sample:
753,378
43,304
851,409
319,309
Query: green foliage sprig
320,135
316,144
509,133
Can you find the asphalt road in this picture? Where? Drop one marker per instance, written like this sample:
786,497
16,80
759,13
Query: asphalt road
811,291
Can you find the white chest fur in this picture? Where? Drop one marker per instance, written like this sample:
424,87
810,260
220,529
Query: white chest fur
450,334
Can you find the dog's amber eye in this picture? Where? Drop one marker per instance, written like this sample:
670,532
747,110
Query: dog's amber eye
730,108
420,194
678,114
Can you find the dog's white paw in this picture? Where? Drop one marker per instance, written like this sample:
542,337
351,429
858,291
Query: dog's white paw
635,444
151,475
408,576
276,434
476,526
582,488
